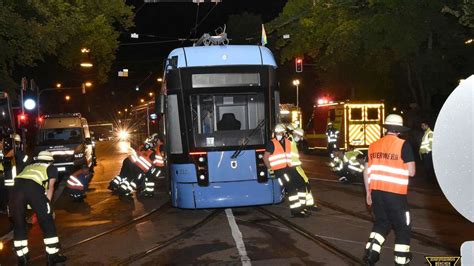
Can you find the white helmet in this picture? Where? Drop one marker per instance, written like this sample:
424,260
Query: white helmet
45,156
396,122
280,128
16,137
298,131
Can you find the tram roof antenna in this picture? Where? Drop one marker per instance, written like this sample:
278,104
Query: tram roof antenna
219,39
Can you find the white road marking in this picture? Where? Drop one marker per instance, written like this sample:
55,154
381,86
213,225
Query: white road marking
237,235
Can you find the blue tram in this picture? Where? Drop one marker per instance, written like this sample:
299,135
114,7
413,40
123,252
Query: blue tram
222,102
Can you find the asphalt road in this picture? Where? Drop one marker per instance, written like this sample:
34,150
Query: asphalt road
106,230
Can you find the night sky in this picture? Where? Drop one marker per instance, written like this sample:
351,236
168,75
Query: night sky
160,26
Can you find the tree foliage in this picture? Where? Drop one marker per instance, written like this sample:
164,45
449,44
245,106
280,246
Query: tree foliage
379,47
31,30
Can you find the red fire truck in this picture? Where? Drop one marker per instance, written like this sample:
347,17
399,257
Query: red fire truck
359,123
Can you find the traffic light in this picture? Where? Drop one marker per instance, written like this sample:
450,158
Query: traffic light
299,64
22,119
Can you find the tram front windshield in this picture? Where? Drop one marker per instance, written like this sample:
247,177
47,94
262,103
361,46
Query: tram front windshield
225,120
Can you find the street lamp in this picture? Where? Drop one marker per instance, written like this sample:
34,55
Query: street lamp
67,98
159,79
58,85
86,64
296,82
150,94
88,84
142,100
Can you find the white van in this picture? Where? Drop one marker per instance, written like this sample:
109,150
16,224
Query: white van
68,138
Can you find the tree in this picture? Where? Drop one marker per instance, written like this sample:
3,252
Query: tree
31,30
379,47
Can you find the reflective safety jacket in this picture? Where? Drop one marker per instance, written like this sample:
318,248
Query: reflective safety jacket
427,142
145,159
387,171
36,172
332,135
280,158
78,180
350,159
295,156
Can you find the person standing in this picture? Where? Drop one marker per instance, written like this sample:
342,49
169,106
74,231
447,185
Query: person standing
386,175
34,186
332,136
307,198
425,150
278,158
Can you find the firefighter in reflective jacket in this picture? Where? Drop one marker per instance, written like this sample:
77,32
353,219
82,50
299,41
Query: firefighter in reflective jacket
34,186
307,199
78,182
137,170
13,161
425,150
278,158
332,135
353,165
391,163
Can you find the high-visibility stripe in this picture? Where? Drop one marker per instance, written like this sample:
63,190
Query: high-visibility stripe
295,205
377,237
401,260
407,217
402,248
302,194
51,240
51,250
389,179
22,252
149,184
282,161
280,182
286,177
375,247
25,158
355,168
387,169
293,198
20,243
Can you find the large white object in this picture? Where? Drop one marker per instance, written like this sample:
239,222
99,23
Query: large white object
453,148
467,253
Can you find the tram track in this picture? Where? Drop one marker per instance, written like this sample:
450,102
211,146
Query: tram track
345,189
128,223
347,257
161,245
414,234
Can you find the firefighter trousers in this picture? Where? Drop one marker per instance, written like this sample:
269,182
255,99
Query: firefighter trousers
308,198
294,186
28,192
390,211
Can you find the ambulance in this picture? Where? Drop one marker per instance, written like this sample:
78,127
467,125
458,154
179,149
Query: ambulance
290,114
359,124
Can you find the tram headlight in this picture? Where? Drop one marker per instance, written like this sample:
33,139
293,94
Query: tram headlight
262,176
200,160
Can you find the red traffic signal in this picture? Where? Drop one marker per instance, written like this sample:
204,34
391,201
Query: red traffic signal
22,119
299,64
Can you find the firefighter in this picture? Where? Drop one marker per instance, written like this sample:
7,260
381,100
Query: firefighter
78,183
148,189
137,170
34,186
425,150
13,162
278,158
332,135
353,165
391,164
307,199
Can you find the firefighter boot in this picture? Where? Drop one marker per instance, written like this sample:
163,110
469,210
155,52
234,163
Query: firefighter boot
370,257
23,260
55,258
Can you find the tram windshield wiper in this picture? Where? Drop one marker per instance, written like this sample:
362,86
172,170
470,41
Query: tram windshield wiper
247,138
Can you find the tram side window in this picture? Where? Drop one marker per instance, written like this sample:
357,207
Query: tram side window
224,120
